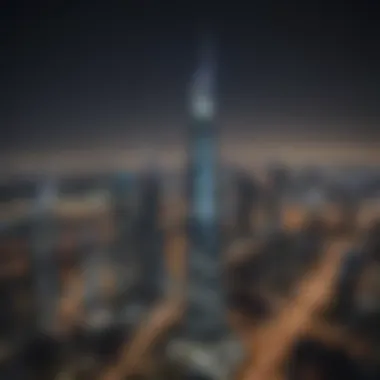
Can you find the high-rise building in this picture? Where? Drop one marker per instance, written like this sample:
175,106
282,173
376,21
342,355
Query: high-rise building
149,239
205,317
45,266
205,347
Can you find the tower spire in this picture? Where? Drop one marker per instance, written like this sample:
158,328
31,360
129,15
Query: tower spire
203,89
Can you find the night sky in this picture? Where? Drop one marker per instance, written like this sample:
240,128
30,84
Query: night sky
77,71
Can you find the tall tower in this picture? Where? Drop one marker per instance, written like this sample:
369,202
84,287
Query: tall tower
148,237
205,318
137,207
45,268
205,349
125,195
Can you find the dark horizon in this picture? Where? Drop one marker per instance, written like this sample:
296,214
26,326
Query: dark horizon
74,72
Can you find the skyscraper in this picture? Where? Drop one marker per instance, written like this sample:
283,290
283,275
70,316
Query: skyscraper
205,318
45,269
149,238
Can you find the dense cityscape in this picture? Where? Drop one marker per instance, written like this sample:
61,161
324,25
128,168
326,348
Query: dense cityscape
259,264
